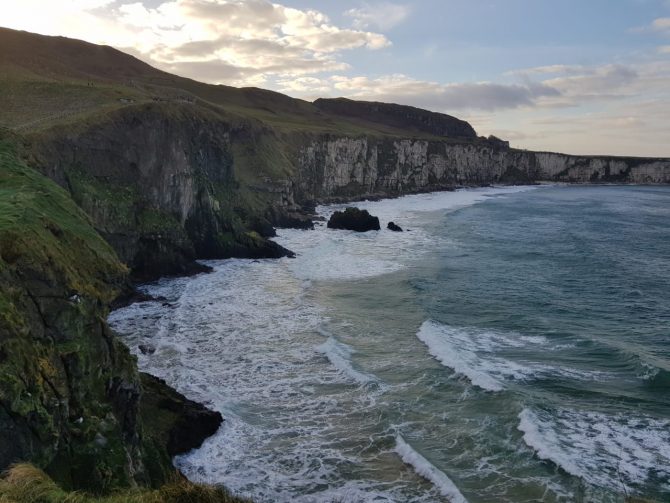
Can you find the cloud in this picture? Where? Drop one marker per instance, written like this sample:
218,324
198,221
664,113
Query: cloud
578,84
599,81
664,49
381,15
236,42
661,25
433,95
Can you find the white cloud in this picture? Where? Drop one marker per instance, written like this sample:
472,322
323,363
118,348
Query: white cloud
236,42
661,24
380,15
405,90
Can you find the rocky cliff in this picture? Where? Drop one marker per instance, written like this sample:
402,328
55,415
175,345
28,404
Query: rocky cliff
168,183
160,184
171,170
356,167
71,399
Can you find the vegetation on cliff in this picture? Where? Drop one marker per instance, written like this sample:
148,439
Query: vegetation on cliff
71,399
27,484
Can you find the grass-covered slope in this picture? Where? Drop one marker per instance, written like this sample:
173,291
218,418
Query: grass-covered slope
63,77
64,379
71,399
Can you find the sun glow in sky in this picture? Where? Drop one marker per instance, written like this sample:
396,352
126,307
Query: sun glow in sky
578,76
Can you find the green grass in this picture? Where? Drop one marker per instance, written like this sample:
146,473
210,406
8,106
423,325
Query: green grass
41,228
36,104
24,483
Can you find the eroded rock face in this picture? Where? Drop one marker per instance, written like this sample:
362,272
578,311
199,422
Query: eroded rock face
166,184
70,393
159,182
330,168
354,219
392,226
172,419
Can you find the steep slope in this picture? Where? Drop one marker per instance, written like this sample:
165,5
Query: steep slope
71,399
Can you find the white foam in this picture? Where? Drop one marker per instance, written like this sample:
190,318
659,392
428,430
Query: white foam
476,354
461,360
339,355
605,450
335,255
428,471
238,340
390,209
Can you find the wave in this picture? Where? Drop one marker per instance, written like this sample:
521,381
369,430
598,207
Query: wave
602,449
657,378
462,361
489,358
428,471
339,355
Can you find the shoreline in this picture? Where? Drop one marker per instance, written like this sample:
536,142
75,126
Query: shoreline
465,188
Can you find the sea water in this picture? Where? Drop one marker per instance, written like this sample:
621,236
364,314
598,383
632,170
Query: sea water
513,344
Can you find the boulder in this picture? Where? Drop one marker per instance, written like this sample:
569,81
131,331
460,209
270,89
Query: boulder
354,219
393,227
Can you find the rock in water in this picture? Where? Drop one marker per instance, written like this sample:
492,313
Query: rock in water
354,219
393,227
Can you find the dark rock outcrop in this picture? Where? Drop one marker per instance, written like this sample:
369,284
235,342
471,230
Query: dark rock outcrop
353,219
293,220
172,419
160,182
392,226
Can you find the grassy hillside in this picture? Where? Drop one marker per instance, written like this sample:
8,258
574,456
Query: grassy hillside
46,79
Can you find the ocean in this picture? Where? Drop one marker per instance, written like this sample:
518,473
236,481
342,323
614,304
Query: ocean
512,345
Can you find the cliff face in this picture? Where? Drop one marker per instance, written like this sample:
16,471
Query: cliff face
159,184
166,184
71,399
350,167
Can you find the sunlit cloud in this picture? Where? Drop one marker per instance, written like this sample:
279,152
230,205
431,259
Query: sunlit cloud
220,41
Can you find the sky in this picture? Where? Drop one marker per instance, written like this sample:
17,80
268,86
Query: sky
575,76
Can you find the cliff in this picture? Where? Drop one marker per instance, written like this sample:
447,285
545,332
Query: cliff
406,118
109,167
171,170
359,167
71,399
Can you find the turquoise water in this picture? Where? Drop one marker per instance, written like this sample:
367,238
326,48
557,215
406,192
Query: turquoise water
514,345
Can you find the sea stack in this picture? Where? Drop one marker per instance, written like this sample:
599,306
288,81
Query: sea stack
354,219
